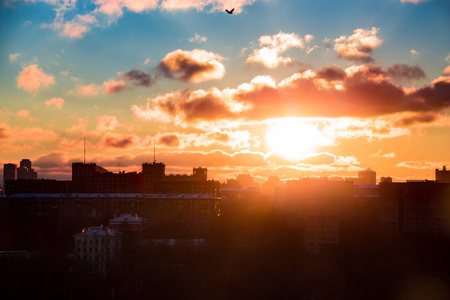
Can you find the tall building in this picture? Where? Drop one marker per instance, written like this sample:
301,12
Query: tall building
443,176
153,177
367,177
9,173
25,171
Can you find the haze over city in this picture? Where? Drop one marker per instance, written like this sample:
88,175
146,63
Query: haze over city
285,88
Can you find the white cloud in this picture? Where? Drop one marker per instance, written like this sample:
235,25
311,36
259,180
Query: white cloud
271,48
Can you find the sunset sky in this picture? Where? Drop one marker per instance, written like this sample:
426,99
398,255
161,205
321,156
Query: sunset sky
282,87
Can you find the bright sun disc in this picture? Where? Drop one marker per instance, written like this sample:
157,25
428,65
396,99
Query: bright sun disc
292,138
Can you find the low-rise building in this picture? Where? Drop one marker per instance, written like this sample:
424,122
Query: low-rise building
98,247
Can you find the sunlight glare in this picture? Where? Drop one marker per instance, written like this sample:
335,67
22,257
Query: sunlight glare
292,138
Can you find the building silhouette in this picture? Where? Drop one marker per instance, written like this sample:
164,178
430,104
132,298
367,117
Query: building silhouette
443,175
9,173
367,177
25,171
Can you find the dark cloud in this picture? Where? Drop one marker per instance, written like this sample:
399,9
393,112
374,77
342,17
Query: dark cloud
206,108
112,142
139,78
3,134
51,161
421,118
331,73
170,140
193,66
405,72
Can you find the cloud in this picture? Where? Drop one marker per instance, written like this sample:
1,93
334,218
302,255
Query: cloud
416,119
331,73
146,61
13,57
359,45
54,160
413,1
448,57
192,66
271,48
214,5
311,49
58,102
86,90
26,114
308,38
359,91
198,38
170,140
115,142
3,133
422,164
102,13
414,52
107,123
402,71
64,73
446,70
32,79
379,154
113,86
139,78
75,28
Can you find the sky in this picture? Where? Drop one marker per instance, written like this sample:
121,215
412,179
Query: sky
287,88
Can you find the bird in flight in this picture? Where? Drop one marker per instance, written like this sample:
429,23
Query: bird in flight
229,11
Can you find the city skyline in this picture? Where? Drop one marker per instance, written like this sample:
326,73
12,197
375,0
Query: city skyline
285,88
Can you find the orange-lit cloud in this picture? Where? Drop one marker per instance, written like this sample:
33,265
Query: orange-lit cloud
58,102
107,123
32,79
193,66
359,91
115,7
113,86
170,140
413,1
26,114
359,45
422,164
271,48
446,70
213,5
385,155
86,90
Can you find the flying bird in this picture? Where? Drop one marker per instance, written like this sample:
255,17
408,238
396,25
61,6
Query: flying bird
229,11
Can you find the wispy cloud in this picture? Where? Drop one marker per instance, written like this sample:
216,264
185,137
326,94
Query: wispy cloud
13,57
86,90
198,38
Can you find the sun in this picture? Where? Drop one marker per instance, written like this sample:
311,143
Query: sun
292,138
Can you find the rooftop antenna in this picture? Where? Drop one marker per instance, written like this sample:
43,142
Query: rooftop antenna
84,159
154,151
